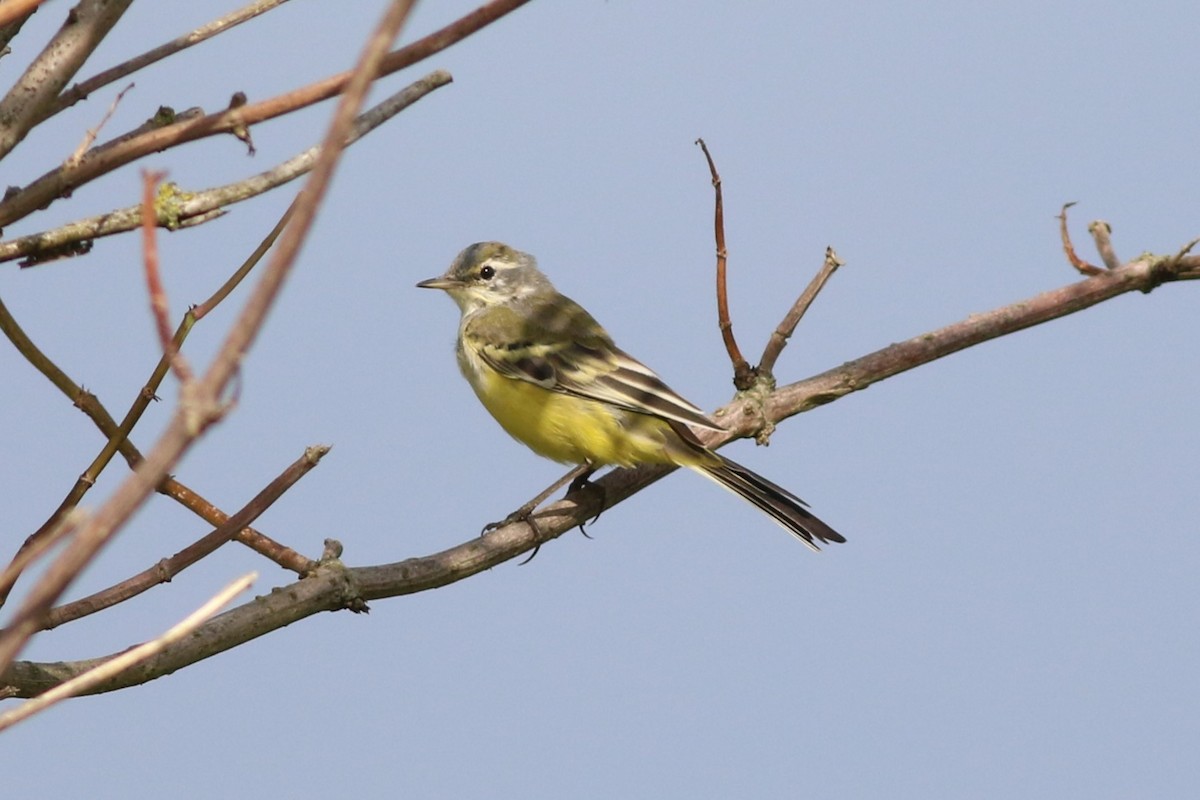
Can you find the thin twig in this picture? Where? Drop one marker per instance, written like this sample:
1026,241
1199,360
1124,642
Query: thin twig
130,657
743,373
160,308
166,569
780,336
1068,248
1101,232
83,89
117,435
101,160
92,133
63,525
187,206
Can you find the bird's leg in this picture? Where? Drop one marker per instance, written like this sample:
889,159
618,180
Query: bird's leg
576,477
582,481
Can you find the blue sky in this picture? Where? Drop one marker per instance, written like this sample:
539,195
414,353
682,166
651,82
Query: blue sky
1014,612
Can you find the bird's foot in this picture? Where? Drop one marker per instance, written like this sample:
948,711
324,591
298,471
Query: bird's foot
581,483
522,514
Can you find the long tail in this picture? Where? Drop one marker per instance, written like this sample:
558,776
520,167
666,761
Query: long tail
773,500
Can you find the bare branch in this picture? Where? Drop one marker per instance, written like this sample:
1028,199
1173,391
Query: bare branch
166,569
86,26
118,664
200,404
117,436
104,159
332,586
90,137
80,91
186,206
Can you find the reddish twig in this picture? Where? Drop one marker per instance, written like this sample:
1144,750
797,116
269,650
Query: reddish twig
159,306
1068,248
104,159
15,9
787,326
194,206
168,568
743,373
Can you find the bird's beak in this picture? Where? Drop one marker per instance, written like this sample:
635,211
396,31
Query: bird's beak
440,283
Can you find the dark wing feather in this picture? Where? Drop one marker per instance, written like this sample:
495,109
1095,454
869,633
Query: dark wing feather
561,347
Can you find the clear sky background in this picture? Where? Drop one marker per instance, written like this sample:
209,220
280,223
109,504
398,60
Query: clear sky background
1015,612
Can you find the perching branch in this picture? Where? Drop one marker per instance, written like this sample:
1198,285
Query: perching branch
333,586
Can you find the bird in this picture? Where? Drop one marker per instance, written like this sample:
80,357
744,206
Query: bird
556,382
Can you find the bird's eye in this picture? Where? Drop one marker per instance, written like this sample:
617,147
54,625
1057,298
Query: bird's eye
487,272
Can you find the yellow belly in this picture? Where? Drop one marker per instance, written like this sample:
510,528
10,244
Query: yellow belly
575,430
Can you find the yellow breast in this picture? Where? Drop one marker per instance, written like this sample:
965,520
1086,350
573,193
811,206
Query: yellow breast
571,429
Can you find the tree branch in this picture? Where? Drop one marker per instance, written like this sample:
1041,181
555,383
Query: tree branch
106,158
118,664
179,207
201,405
333,586
80,91
166,569
86,26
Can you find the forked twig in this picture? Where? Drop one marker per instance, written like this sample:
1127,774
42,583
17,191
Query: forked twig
787,326
166,569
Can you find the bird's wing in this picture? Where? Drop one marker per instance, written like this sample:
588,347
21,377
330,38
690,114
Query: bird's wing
561,348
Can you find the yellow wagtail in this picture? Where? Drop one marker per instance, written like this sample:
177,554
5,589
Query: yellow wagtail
552,377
